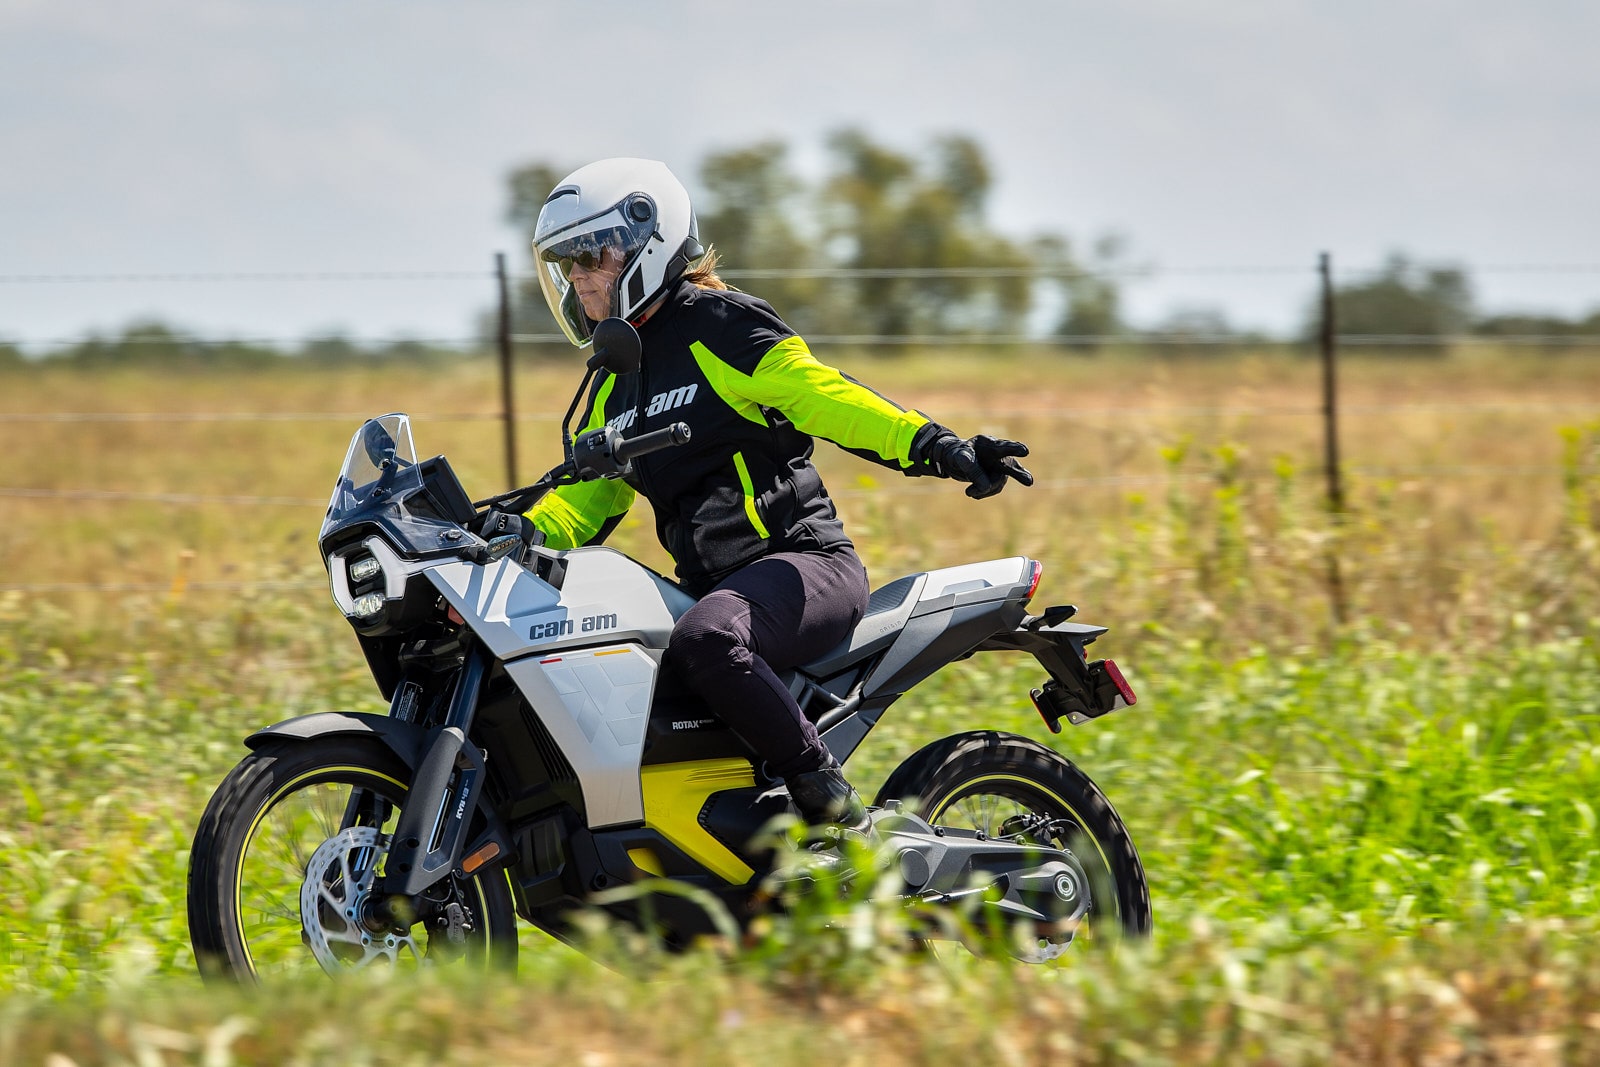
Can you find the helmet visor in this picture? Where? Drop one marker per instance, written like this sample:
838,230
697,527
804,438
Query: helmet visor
582,245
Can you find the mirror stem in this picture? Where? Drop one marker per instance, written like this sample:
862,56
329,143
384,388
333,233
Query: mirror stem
566,421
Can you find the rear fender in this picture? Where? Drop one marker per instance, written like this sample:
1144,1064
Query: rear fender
1059,648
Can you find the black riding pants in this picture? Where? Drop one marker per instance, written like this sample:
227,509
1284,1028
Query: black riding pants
779,612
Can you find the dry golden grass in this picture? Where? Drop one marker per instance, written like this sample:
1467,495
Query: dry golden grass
1170,490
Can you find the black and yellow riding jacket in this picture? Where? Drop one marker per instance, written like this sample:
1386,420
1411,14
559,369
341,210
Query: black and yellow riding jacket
754,398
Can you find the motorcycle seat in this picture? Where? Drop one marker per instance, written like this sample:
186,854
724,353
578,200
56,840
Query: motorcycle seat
888,609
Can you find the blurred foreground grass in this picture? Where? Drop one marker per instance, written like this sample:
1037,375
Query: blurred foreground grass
1525,996
1371,842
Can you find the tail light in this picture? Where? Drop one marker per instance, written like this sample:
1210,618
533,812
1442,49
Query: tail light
1033,582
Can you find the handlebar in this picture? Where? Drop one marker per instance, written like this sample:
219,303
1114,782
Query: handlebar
667,437
622,453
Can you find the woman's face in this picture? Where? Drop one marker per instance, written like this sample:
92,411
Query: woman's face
594,286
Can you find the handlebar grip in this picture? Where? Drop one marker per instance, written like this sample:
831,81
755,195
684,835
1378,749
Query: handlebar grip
655,441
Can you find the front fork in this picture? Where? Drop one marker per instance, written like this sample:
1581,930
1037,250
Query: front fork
430,839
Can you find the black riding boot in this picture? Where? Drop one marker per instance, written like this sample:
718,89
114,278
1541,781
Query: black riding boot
824,798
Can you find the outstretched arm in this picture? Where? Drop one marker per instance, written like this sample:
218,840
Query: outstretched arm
822,401
818,400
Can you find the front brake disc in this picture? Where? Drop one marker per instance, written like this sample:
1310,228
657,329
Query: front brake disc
338,878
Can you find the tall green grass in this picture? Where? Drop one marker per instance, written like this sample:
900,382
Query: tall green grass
1368,789
1371,841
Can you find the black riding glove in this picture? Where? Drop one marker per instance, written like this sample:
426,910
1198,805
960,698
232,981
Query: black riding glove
496,524
984,461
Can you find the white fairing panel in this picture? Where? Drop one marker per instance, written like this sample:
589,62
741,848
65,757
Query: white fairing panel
584,657
605,597
596,703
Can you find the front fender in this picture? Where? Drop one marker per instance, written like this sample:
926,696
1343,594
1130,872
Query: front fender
405,739
411,742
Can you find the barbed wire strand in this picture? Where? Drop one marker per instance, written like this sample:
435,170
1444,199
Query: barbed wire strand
178,588
1068,413
1126,341
1134,271
890,488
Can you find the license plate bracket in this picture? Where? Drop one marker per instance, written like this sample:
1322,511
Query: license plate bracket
1107,690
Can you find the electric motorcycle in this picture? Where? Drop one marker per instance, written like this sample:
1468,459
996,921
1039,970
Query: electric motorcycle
523,771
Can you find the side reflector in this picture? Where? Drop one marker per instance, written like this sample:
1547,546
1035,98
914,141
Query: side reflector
1121,683
454,616
1053,722
480,857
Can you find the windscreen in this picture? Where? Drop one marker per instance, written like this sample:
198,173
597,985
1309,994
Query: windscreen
378,453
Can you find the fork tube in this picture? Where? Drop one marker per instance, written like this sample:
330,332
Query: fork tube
469,685
445,784
405,706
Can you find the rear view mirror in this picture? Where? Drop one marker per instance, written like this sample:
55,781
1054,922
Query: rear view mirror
616,347
380,446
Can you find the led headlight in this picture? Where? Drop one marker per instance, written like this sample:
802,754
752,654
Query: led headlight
364,569
367,606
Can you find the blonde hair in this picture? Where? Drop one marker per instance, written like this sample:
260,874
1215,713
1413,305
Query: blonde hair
704,271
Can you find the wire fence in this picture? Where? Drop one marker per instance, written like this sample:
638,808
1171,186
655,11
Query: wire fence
179,585
1061,413
1307,270
879,489
1135,340
1327,411
1138,272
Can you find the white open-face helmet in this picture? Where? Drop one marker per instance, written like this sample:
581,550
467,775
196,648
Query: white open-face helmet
633,205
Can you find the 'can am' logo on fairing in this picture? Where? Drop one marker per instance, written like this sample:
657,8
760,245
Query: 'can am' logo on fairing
544,630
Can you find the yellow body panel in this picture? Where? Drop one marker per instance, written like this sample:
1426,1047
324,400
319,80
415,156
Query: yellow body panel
674,793
646,861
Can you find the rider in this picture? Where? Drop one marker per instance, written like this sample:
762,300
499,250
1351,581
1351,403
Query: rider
740,508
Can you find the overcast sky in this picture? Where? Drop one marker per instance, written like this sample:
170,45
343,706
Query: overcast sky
154,136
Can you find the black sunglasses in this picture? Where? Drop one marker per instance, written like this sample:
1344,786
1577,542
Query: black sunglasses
587,260
584,252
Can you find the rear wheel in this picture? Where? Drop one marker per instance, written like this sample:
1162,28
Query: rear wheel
1013,787
285,857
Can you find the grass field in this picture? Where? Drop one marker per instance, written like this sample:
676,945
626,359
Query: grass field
1372,841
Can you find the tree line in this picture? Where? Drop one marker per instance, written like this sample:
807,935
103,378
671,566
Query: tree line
877,208
1405,298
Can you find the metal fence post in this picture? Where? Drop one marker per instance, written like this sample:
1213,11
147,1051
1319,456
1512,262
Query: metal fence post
1330,434
508,415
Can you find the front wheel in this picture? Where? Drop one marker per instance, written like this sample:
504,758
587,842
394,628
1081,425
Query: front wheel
284,858
1011,786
